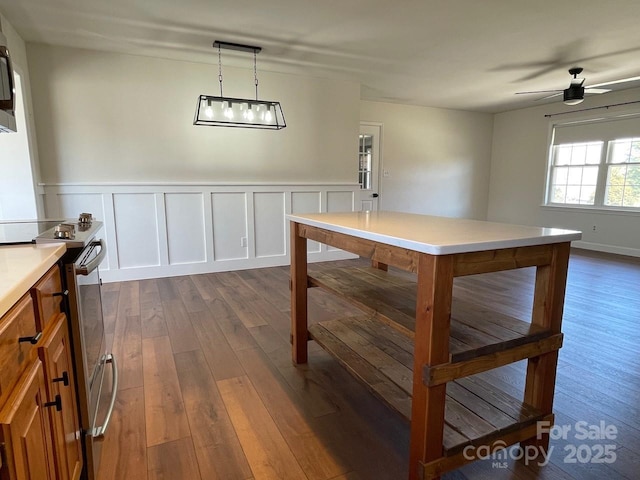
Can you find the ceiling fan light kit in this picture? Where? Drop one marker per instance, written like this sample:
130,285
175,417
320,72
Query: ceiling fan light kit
238,112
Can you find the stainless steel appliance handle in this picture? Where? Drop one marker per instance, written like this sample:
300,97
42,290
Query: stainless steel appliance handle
8,103
99,431
93,264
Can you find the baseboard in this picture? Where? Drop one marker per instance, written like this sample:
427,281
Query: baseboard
600,247
160,271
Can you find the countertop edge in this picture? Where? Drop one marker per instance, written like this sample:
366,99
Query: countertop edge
32,270
441,249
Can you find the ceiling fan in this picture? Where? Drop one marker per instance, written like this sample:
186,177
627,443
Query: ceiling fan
574,94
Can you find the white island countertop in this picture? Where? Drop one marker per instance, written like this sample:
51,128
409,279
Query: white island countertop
21,266
434,235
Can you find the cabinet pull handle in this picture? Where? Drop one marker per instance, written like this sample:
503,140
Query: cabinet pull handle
32,340
56,403
64,379
61,294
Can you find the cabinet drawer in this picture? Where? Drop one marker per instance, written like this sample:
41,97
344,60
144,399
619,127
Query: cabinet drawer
18,323
47,295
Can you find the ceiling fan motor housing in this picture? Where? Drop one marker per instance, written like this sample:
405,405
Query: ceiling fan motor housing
574,93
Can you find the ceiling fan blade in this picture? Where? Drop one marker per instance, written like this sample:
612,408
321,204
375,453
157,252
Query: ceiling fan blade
538,91
615,82
551,96
596,90
577,82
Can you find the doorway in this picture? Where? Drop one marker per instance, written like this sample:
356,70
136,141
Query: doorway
368,166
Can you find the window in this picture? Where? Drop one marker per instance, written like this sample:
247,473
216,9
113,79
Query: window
364,162
596,163
623,174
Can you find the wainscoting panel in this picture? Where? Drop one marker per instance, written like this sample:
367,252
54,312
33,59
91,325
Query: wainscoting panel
230,226
269,224
136,225
162,230
186,239
307,202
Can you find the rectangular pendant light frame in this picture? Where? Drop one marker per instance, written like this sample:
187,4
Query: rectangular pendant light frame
239,112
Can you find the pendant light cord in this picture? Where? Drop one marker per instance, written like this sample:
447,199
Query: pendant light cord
220,70
255,71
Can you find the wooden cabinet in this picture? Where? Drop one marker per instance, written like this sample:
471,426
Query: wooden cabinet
56,357
39,426
26,433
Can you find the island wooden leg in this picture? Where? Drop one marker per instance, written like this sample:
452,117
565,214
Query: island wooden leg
299,333
433,312
548,305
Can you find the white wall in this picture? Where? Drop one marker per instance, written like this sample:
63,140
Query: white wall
18,155
518,169
438,160
106,117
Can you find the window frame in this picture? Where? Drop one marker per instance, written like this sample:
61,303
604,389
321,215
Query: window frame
603,166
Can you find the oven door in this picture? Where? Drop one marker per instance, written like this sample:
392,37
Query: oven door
99,367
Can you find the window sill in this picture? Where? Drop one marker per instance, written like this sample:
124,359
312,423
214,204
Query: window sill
635,212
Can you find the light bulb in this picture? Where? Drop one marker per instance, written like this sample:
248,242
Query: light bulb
268,116
208,112
249,114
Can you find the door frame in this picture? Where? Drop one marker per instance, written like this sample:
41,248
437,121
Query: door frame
378,173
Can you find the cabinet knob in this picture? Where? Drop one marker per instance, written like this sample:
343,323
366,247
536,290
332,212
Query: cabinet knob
32,340
64,379
56,403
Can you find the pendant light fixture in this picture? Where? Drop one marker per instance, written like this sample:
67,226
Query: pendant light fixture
238,112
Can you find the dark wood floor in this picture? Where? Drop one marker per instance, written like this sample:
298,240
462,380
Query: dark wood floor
208,391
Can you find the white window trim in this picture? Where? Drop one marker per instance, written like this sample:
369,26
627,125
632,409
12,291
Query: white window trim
597,208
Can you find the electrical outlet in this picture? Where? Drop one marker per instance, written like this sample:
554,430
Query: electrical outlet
243,241
594,228
385,173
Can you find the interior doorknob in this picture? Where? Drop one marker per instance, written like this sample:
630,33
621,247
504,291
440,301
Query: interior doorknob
375,195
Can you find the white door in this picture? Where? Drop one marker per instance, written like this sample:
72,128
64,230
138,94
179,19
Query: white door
368,163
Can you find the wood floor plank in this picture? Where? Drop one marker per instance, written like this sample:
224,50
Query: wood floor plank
232,328
183,336
268,453
172,460
164,411
313,456
221,358
218,450
124,451
151,312
127,348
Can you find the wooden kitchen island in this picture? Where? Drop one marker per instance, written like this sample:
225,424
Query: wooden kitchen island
416,347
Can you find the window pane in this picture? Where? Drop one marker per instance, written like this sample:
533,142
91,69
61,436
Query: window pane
613,195
588,195
620,150
617,175
558,194
631,196
594,152
563,155
560,176
589,175
573,194
579,154
575,176
635,152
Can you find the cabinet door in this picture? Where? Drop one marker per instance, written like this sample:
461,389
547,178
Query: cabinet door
55,354
24,421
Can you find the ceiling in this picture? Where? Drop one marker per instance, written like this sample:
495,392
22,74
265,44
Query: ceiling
461,54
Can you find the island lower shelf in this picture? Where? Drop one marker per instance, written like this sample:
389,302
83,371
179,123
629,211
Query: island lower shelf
476,413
